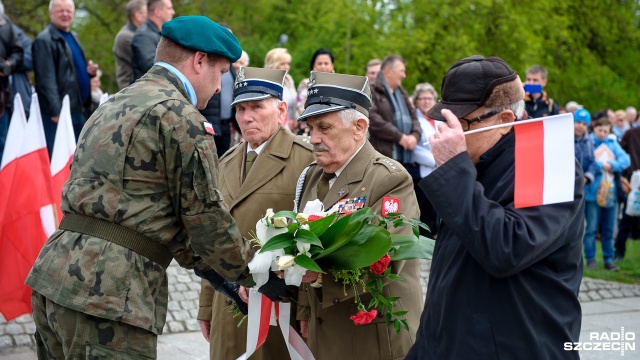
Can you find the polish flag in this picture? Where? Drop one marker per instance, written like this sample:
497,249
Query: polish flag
17,127
62,155
22,234
544,161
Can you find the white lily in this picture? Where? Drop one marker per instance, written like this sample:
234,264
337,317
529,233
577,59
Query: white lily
264,232
285,261
280,222
293,275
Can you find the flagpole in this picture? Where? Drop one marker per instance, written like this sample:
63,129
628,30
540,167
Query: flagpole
528,121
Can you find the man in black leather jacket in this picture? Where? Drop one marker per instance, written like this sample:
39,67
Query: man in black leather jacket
61,69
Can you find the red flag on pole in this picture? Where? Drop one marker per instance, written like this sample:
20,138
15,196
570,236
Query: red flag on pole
29,195
63,149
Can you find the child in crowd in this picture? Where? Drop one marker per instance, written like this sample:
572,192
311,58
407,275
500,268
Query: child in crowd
601,205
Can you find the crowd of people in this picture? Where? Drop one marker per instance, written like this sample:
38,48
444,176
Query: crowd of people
196,145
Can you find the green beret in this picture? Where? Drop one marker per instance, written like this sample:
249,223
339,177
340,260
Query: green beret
202,34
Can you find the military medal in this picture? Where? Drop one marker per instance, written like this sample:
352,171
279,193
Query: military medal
346,206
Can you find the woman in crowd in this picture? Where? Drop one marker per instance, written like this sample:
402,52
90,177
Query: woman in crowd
424,97
322,60
280,59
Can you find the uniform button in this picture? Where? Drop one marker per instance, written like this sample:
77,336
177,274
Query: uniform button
335,301
319,321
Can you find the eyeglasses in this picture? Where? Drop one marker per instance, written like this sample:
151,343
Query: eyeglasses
477,119
425,98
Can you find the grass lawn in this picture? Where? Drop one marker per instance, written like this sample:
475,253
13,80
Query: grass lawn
629,267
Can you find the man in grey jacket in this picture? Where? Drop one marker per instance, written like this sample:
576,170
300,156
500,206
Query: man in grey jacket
137,14
145,39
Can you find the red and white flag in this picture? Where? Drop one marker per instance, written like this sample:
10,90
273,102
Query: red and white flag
63,148
22,233
12,146
544,161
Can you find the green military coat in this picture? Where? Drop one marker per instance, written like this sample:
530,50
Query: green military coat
270,183
143,161
332,335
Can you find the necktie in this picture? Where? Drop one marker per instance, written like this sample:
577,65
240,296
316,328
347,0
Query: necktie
251,156
323,185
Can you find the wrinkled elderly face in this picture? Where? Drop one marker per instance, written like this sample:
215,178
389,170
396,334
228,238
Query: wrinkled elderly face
333,142
479,143
259,120
61,14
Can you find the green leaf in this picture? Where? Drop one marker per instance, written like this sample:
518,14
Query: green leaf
404,324
319,226
422,249
307,263
363,249
293,227
395,277
279,241
403,240
341,232
400,313
285,214
308,237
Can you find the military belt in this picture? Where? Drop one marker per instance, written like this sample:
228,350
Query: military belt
117,234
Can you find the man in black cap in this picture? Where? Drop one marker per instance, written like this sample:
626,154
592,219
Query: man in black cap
504,281
142,191
349,171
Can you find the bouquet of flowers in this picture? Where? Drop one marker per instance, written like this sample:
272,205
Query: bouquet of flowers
355,248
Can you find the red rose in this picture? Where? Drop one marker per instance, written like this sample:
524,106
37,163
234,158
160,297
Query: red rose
314,218
364,317
380,266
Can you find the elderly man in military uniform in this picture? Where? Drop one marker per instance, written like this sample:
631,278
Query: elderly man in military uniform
257,174
143,190
348,167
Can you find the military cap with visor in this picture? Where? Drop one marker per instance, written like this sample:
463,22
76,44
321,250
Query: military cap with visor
200,33
254,84
476,82
329,92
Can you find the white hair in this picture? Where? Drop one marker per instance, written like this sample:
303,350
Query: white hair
53,1
517,108
349,116
1,8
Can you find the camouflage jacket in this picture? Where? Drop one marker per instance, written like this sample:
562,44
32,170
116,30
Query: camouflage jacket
143,161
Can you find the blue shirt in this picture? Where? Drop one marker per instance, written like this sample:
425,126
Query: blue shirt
84,83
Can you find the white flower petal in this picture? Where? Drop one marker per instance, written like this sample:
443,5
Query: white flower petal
293,275
313,207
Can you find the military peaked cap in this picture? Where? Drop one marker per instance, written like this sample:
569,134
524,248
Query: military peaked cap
329,92
253,84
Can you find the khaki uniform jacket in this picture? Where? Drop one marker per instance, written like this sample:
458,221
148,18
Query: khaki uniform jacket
332,335
271,183
144,161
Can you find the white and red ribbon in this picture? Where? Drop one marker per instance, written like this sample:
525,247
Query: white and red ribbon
264,313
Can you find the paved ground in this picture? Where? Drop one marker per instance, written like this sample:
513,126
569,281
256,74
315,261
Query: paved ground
607,307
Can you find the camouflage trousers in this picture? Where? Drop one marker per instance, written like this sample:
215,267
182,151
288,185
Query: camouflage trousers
63,333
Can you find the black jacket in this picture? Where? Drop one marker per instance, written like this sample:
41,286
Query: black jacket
212,111
504,282
55,74
143,48
10,49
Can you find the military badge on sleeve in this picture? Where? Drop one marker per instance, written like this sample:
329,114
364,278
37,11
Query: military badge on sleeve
209,128
390,205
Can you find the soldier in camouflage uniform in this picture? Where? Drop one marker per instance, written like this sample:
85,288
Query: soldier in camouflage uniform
142,191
